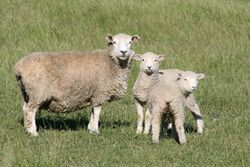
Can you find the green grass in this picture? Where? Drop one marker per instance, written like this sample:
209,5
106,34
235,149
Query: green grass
212,37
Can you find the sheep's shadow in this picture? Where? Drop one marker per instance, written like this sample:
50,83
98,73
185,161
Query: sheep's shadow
170,133
64,123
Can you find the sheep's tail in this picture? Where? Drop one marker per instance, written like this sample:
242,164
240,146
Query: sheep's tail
21,84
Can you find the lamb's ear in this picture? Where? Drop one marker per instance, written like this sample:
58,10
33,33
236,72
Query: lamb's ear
135,38
179,76
137,57
200,76
109,39
160,57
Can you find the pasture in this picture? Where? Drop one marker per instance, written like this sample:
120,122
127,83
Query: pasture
212,37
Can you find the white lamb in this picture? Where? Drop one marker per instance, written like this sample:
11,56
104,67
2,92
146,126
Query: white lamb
64,82
170,99
147,78
149,75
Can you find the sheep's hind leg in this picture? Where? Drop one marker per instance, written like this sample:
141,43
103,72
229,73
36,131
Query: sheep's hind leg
179,126
194,108
94,120
29,114
139,117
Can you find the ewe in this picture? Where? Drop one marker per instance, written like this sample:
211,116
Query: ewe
64,82
149,75
170,99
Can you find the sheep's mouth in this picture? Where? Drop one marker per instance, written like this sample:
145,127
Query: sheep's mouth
123,57
149,72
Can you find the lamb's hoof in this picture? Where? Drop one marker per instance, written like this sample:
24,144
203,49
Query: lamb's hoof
146,132
155,141
94,131
138,130
182,142
33,134
200,131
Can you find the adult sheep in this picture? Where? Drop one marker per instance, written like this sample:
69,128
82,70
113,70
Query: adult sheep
64,82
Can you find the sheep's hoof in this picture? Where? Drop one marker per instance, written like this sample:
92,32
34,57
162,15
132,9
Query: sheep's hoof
200,131
94,131
33,134
155,141
139,131
146,132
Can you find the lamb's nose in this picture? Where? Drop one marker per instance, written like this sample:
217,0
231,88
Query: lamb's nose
123,51
149,67
193,87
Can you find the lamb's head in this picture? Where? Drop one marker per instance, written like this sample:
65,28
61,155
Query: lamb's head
188,81
149,62
120,45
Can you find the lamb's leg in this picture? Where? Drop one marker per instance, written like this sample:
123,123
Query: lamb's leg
147,122
94,120
29,119
194,108
179,125
156,123
139,117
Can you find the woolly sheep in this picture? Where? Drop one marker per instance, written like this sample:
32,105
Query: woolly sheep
170,99
148,76
64,82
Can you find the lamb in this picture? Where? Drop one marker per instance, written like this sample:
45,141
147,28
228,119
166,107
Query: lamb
147,79
64,82
170,99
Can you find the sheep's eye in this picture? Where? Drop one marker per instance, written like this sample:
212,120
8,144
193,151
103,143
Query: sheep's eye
130,42
142,60
155,60
185,79
114,42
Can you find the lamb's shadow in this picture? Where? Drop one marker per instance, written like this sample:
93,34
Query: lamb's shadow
64,123
169,133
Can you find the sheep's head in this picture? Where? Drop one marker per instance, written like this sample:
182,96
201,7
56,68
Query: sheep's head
120,45
149,62
188,81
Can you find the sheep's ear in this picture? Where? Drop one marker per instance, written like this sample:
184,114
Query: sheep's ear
109,39
160,57
136,38
178,76
137,57
200,76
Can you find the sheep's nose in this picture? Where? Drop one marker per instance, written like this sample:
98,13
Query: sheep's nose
123,51
149,67
193,87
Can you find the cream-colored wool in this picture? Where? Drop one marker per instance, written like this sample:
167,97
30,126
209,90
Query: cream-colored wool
64,82
170,99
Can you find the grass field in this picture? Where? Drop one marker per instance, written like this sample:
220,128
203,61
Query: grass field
212,37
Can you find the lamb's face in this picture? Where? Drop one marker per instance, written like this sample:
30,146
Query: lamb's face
121,45
149,62
188,81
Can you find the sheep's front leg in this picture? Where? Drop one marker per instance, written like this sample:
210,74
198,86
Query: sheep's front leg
179,124
194,108
94,120
147,122
29,119
139,117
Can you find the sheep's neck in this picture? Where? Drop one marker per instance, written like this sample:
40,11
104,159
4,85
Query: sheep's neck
146,82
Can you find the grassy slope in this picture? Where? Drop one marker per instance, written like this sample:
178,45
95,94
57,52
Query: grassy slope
212,37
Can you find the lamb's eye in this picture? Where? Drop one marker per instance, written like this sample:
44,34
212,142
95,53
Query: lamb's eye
114,42
155,60
142,60
185,79
130,42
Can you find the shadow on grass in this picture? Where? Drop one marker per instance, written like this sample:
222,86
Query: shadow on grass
64,123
